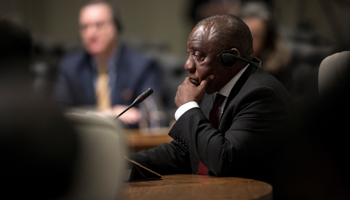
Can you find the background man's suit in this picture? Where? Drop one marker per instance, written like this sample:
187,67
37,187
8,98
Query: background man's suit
248,142
134,74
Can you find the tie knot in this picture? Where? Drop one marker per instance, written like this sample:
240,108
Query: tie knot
102,69
219,99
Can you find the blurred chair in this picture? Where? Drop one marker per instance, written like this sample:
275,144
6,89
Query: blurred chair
332,71
101,166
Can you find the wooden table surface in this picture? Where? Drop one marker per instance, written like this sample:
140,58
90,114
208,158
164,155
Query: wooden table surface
191,187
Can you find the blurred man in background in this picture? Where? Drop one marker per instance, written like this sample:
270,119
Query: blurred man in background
106,74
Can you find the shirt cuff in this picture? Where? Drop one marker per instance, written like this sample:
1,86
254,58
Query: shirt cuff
184,108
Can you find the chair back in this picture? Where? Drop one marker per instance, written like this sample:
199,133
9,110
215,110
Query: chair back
332,71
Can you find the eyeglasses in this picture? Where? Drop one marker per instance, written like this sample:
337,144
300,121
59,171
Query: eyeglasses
98,25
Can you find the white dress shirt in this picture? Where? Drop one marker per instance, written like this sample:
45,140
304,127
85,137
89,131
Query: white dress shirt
225,91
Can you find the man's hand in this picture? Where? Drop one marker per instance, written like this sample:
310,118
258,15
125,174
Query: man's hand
187,91
132,116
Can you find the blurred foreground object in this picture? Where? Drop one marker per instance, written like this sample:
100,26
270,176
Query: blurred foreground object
100,168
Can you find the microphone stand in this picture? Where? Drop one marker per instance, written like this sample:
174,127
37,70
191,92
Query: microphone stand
138,100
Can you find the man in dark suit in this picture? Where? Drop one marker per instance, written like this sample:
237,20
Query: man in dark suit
251,137
128,72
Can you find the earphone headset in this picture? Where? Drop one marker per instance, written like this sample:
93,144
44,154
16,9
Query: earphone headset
228,58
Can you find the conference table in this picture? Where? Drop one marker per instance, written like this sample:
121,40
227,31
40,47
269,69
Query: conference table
191,187
187,186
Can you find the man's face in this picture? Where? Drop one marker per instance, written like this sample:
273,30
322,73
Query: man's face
202,60
97,30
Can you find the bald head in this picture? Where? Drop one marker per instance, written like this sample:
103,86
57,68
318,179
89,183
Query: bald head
210,37
229,31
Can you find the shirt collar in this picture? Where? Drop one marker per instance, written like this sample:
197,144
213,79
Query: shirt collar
225,91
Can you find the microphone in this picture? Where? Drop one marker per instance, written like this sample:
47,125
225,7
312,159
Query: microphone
138,100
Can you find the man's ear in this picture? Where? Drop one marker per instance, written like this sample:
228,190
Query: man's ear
235,52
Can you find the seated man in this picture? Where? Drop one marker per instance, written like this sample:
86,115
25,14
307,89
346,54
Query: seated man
106,73
244,134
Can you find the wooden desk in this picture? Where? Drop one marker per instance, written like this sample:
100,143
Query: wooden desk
146,139
191,187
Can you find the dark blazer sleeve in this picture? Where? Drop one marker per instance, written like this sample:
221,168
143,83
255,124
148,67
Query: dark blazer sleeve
168,158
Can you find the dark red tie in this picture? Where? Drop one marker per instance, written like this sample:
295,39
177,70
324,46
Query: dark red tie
214,117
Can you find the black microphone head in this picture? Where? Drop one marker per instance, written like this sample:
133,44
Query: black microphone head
138,100
146,93
143,96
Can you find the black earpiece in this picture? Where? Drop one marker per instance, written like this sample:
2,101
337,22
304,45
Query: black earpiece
228,58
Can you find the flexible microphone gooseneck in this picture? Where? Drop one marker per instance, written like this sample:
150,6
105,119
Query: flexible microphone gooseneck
138,100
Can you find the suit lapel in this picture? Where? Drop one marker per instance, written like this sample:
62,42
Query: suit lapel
208,100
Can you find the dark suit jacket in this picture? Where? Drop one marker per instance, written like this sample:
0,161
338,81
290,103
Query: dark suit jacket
248,143
135,73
